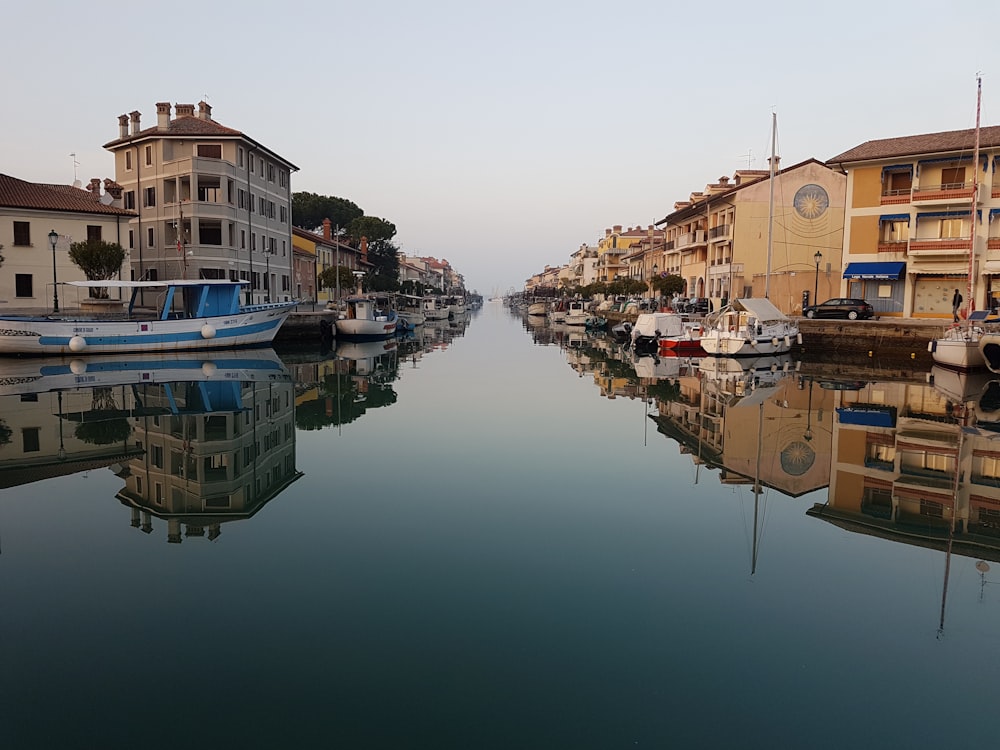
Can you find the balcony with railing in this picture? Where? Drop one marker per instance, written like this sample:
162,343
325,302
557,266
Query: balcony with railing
691,240
944,193
720,233
894,197
940,246
725,268
892,246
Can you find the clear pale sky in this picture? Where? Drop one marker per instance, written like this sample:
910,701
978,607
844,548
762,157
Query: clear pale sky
500,136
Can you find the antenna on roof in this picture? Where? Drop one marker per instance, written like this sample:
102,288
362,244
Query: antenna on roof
76,182
749,157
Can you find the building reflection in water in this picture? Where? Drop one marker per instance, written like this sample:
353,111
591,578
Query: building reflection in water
198,440
918,462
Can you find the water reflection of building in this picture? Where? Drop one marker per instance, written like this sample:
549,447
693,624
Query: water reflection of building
758,421
213,452
39,438
911,463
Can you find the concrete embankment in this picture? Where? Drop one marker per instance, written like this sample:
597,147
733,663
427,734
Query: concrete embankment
303,325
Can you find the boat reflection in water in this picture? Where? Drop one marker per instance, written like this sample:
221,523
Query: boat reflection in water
197,440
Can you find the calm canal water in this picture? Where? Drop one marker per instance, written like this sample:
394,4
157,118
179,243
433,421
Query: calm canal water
498,534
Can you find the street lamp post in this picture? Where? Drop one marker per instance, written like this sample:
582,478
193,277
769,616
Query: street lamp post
53,238
817,257
267,274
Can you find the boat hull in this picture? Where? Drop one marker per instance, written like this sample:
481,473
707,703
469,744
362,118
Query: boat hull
360,330
722,344
73,336
960,351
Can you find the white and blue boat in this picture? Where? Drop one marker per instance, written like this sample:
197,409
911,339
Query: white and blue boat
189,315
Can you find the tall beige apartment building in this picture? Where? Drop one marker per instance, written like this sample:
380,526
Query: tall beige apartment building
210,202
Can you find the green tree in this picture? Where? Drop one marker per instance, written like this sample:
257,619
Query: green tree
328,278
99,261
382,253
373,228
668,285
309,210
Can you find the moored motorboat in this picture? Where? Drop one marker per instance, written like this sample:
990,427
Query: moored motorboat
576,313
410,310
367,317
192,315
435,308
659,330
749,327
538,308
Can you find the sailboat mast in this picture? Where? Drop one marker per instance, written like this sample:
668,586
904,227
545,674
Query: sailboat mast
970,294
770,206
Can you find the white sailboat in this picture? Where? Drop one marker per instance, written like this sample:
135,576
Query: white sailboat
961,345
751,326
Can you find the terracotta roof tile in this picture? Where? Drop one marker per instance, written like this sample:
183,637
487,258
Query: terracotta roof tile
952,141
181,126
15,193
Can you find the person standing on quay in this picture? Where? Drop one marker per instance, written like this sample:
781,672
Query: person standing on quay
956,302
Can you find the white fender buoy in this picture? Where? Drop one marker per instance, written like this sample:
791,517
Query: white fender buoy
208,331
209,369
77,366
77,344
774,341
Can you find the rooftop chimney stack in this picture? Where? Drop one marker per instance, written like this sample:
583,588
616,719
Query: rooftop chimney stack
135,122
327,234
204,110
112,188
184,110
162,115
123,126
95,186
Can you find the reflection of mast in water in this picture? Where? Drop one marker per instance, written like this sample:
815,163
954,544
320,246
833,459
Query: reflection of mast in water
756,486
951,532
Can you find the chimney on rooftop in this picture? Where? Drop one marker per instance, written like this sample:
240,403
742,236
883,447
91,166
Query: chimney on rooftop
204,110
618,228
135,121
327,234
112,188
95,186
184,110
123,126
607,232
162,115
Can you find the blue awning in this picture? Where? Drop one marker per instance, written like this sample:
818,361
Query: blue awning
893,270
894,217
944,214
868,416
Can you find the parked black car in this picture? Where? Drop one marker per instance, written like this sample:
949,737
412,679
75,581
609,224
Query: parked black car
695,306
842,307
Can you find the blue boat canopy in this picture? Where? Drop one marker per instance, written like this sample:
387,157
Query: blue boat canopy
888,270
868,416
